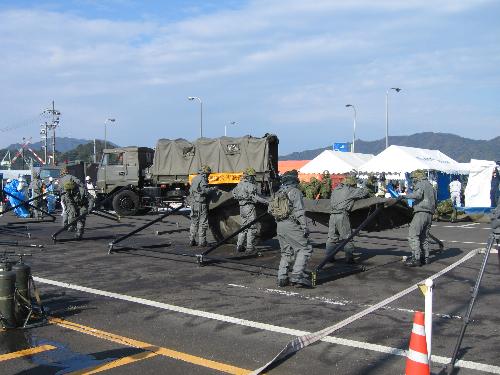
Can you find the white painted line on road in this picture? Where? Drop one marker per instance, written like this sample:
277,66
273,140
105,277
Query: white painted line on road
330,301
268,327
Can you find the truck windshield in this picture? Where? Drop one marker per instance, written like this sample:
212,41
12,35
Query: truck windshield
113,159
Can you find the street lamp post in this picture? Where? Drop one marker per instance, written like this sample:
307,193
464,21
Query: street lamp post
354,126
201,113
397,89
225,127
105,130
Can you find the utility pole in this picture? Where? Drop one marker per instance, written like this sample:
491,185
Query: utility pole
95,153
45,129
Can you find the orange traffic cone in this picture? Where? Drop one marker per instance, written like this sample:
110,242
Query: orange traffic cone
417,362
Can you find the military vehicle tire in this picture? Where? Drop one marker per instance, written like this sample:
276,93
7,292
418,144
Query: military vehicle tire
126,203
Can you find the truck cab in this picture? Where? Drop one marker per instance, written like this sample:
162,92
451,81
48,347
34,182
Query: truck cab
124,166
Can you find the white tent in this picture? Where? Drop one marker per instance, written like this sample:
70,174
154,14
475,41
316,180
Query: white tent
335,162
395,161
477,191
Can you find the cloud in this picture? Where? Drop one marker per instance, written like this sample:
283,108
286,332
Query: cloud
267,63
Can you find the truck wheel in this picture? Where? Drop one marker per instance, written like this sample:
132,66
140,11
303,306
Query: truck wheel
126,203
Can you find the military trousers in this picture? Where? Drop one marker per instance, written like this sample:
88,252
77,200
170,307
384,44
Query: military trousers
247,238
72,212
418,234
295,250
339,228
38,203
199,221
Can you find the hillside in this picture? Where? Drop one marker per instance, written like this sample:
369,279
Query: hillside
458,148
63,144
83,151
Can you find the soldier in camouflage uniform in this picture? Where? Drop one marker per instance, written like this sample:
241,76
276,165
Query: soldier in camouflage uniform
36,189
293,235
341,202
371,184
65,177
325,190
424,207
75,204
199,197
246,195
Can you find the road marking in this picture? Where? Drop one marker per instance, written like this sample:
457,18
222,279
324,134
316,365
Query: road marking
26,352
460,227
264,326
330,301
154,350
117,363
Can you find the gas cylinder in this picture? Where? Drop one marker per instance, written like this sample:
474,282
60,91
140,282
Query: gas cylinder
7,291
23,297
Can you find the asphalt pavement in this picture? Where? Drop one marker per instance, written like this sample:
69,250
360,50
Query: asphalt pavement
149,308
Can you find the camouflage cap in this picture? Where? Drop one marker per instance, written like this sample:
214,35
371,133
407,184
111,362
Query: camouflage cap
69,185
249,172
205,169
418,174
350,180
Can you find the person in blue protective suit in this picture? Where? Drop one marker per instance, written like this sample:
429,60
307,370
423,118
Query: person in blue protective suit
17,196
51,196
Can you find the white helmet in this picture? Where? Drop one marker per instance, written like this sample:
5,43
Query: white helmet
87,178
9,180
51,179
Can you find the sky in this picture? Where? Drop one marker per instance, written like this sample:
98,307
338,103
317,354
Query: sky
271,66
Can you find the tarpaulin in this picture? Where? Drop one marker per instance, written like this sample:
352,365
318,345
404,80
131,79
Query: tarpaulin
18,197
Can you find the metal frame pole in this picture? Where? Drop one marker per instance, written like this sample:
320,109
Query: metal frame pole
451,366
141,228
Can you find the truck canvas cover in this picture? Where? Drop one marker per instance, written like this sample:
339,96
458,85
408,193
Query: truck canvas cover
223,155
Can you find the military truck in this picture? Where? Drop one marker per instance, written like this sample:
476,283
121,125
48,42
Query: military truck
155,178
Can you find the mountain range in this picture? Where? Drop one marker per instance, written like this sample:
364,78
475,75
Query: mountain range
63,144
458,148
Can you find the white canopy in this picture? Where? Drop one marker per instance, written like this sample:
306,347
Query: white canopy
335,162
397,160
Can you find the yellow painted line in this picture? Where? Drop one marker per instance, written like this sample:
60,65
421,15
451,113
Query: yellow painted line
219,366
26,352
117,363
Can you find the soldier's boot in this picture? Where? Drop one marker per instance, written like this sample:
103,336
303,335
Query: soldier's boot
302,283
239,245
78,235
413,262
251,251
349,258
282,282
329,250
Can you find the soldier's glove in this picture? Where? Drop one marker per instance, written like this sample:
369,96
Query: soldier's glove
306,232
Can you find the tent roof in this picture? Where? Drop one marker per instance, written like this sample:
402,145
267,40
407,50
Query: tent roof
335,162
402,159
288,165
